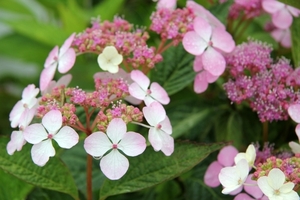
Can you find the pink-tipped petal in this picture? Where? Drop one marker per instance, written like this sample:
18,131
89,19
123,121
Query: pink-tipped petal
294,112
198,66
136,91
167,144
46,77
213,62
282,19
116,130
211,175
29,93
154,113
41,152
252,188
64,80
132,144
114,165
148,100
16,142
35,133
166,125
66,137
97,144
193,43
52,58
27,117
294,11
67,61
202,28
52,121
67,44
155,139
210,78
16,114
159,93
200,83
222,40
272,6
226,156
140,78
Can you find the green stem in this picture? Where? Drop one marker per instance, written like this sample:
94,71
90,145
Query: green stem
89,190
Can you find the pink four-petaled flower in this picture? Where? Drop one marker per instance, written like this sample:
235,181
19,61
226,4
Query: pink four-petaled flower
108,146
42,148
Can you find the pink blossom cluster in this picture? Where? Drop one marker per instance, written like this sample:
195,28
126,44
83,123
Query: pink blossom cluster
172,24
129,41
258,80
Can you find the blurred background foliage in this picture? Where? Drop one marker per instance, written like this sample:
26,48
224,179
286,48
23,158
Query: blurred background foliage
29,29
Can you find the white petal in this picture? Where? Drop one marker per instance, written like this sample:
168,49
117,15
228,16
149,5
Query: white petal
52,121
295,147
116,130
16,142
114,165
132,144
140,78
41,152
97,144
155,139
35,133
167,144
66,137
276,178
287,187
263,184
166,125
154,114
136,91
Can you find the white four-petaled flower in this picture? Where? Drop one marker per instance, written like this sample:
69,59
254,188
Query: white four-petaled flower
108,146
110,59
275,188
42,148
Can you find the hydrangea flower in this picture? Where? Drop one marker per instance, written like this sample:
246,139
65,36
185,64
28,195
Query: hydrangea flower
23,111
209,42
161,129
110,59
233,178
36,134
108,146
274,186
63,59
139,89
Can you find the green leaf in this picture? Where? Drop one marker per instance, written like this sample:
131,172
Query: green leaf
54,175
44,33
13,188
295,32
152,168
107,10
294,3
176,71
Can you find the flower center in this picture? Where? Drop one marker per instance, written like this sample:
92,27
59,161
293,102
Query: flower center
158,126
276,192
210,43
115,146
148,92
50,136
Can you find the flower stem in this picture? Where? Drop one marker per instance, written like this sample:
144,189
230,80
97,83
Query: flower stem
265,131
89,190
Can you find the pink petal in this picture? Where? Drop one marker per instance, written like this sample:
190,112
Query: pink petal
136,91
148,100
298,131
166,125
116,130
66,61
154,114
282,19
243,196
193,43
272,6
29,93
52,121
253,189
159,93
155,139
114,165
211,175
46,77
27,117
64,80
51,60
213,62
97,144
294,11
41,152
169,4
132,144
35,133
167,144
286,40
66,137
200,83
202,28
67,44
222,40
198,66
16,142
140,78
294,112
226,156
133,100
210,78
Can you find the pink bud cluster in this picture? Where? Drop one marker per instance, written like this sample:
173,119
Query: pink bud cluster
290,167
172,24
130,42
263,83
